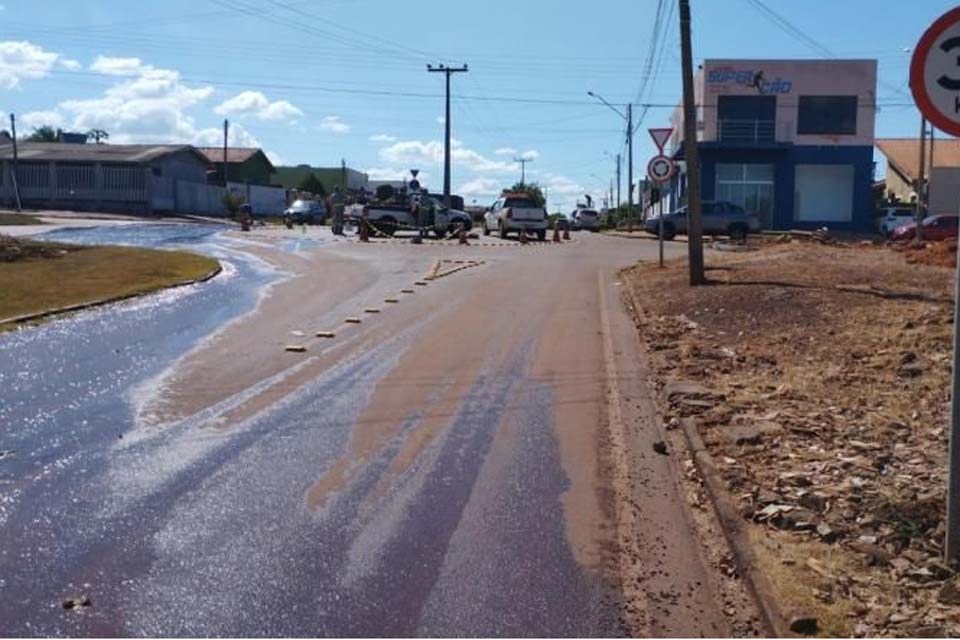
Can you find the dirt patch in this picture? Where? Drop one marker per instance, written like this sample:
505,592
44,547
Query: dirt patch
17,249
819,376
939,254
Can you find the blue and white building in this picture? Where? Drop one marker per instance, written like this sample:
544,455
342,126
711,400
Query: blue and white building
789,139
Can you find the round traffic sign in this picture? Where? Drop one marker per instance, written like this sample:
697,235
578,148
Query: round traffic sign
935,73
660,168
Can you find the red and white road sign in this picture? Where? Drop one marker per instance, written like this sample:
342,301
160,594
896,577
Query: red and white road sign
935,73
660,169
660,137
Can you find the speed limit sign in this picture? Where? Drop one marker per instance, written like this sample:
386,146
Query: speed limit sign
935,73
660,169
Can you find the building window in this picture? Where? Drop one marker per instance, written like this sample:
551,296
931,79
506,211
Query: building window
747,185
827,115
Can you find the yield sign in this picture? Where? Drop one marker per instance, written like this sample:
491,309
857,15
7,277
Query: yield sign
660,136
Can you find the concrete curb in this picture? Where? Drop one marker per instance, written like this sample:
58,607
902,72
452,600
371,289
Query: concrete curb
731,523
104,301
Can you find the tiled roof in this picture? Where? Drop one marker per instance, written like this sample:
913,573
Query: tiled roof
61,152
234,154
904,153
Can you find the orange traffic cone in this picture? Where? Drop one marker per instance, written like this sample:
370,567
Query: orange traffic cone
523,236
566,234
364,233
556,232
463,235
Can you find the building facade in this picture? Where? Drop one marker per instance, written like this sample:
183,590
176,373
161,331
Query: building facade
108,177
244,164
941,172
789,139
330,177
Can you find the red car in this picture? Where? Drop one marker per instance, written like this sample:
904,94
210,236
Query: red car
938,227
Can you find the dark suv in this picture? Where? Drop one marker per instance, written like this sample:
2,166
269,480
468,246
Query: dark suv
719,218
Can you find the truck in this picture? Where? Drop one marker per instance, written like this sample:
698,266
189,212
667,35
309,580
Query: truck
388,218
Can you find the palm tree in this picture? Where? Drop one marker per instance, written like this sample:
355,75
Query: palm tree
97,135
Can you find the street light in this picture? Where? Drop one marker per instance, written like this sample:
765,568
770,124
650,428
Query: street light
629,120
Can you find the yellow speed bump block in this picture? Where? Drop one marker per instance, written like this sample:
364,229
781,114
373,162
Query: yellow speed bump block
371,310
420,283
391,300
406,290
326,334
295,348
353,320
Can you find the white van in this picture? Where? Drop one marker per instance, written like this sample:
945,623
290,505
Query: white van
587,219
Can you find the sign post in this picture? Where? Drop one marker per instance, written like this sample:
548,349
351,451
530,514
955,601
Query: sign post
935,84
660,173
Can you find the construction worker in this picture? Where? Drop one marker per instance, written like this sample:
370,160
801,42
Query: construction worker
337,205
424,213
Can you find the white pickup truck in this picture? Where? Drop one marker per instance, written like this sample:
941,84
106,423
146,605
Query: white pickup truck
388,218
515,212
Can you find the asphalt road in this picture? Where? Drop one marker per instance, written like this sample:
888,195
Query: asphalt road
473,459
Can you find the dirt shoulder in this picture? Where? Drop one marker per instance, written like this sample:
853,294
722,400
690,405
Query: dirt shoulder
40,277
819,379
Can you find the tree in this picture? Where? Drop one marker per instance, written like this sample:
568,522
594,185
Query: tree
97,135
46,133
385,192
532,189
311,183
232,202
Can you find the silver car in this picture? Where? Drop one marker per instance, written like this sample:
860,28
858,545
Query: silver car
719,218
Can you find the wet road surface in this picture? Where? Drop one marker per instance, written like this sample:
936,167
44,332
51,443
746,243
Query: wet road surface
439,471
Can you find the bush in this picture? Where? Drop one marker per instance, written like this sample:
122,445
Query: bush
231,204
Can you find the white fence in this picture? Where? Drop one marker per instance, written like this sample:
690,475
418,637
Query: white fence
263,200
194,197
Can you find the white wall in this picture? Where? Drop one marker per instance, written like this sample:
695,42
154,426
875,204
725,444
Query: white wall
263,200
823,193
944,190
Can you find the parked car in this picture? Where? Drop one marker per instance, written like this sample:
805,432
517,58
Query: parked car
719,218
587,219
513,213
936,227
892,217
306,212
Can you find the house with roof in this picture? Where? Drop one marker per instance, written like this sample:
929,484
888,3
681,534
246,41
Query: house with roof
330,177
941,172
244,164
128,178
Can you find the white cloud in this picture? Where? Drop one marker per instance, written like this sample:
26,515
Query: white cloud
118,66
564,185
237,136
334,124
530,154
254,103
383,137
416,153
36,119
21,60
147,105
275,158
69,64
481,188
440,119
505,151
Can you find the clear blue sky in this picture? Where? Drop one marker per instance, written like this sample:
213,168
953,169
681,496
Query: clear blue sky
316,81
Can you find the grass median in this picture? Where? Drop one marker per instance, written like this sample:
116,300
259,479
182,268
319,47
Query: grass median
37,277
13,219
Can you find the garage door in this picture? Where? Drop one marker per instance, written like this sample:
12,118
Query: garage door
823,193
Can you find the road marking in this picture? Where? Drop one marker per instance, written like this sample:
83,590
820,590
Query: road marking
391,300
420,284
295,348
371,310
406,290
353,320
326,334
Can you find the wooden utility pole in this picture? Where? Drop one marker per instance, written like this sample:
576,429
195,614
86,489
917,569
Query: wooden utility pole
523,168
16,163
694,206
447,71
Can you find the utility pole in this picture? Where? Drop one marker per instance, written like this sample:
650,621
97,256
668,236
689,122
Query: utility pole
694,206
618,182
926,191
918,188
226,130
447,71
343,173
16,163
610,199
523,166
630,167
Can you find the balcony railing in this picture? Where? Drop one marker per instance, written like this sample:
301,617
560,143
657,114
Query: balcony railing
745,130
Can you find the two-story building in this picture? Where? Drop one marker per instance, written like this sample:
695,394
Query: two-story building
789,139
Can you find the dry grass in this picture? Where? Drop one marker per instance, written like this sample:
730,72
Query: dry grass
10,219
89,274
